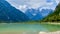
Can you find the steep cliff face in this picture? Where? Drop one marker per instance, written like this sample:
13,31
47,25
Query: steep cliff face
54,17
9,13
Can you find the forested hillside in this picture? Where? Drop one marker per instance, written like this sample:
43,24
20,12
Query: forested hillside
53,17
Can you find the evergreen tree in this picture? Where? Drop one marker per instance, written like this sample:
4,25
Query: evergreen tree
53,17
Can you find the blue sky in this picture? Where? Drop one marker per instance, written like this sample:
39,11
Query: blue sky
25,4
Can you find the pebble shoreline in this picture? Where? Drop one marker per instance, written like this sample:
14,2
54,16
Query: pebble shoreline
57,32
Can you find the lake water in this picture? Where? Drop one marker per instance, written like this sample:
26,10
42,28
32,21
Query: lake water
26,27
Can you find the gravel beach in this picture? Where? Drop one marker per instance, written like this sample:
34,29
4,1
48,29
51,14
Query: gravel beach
56,32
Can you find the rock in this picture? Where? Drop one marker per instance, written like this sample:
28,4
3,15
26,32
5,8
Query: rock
57,32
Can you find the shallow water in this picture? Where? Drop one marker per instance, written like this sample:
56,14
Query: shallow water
26,27
22,27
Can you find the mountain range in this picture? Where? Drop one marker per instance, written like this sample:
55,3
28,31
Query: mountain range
34,14
9,13
53,17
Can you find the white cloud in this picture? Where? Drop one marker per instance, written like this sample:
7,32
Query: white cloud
22,4
57,1
23,8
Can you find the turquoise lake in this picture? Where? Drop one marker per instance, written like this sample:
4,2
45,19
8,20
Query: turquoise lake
28,27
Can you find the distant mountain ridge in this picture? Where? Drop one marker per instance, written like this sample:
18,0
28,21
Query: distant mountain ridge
53,17
9,13
34,14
